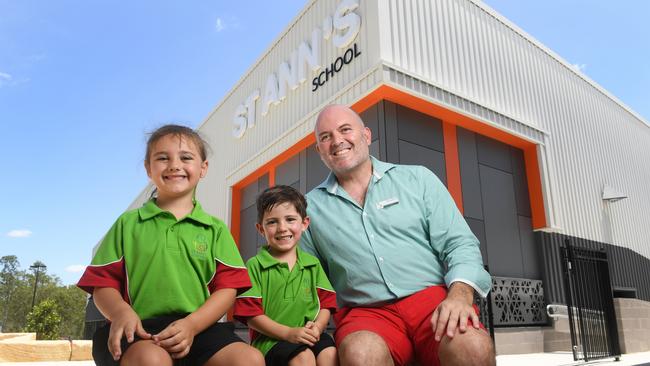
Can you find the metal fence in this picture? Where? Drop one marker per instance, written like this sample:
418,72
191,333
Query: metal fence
590,304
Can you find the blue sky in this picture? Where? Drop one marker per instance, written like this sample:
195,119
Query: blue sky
81,82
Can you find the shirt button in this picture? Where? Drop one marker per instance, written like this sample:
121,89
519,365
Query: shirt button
381,259
365,214
172,229
372,236
390,284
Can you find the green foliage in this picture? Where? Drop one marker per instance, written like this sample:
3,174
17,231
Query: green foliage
17,289
44,320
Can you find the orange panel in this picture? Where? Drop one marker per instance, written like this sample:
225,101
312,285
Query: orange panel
451,120
452,164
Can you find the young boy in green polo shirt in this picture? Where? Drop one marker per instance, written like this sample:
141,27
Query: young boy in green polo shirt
290,302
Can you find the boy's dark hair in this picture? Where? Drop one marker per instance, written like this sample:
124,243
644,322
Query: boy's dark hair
276,195
178,131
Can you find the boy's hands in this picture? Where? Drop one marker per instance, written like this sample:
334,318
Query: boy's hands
125,323
315,328
176,338
302,335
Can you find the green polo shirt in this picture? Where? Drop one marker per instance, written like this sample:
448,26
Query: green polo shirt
288,297
162,265
407,236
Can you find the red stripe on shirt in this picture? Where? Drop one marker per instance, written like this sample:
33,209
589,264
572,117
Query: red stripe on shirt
230,277
327,299
109,275
247,307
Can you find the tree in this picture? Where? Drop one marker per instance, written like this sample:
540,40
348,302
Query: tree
8,282
17,290
44,320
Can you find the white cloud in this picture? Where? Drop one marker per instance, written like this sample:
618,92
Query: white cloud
75,268
19,233
4,78
580,67
220,25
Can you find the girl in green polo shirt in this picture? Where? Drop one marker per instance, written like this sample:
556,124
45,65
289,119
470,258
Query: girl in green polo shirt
165,273
289,305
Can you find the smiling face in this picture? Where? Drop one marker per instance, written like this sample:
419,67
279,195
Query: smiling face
282,227
175,166
342,140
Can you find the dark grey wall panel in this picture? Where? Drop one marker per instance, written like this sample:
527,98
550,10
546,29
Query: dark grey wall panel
316,170
374,149
412,154
493,153
469,176
391,138
530,253
371,118
262,183
501,224
420,129
521,182
249,239
288,172
627,268
478,228
248,195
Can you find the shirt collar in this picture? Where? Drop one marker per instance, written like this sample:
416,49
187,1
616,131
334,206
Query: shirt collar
150,210
379,168
267,260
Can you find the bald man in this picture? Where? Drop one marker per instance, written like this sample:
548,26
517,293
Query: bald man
398,252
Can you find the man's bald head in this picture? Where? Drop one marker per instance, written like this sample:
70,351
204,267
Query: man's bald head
342,140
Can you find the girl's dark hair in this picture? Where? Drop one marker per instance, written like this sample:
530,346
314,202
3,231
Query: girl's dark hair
276,195
179,131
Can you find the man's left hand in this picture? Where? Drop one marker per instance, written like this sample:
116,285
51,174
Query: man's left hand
454,311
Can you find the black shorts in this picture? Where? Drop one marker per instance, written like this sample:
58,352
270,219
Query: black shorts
284,351
204,346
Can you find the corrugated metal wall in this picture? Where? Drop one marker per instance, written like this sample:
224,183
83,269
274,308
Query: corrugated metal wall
627,269
589,139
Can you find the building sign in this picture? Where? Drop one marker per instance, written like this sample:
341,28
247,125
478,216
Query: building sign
341,29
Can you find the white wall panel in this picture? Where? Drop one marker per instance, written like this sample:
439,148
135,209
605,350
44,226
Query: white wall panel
486,63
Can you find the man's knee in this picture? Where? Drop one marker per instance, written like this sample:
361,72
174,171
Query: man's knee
473,347
364,348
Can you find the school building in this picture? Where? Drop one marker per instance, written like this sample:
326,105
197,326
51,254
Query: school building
533,151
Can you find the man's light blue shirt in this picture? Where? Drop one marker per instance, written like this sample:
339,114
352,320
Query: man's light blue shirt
407,233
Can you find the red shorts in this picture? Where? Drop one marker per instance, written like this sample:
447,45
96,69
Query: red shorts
405,325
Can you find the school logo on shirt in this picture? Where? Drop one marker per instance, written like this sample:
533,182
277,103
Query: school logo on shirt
306,288
200,245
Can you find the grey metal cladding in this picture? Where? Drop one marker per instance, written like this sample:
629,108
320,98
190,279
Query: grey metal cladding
469,175
530,253
493,153
478,228
249,237
420,129
413,154
289,171
390,139
501,224
316,170
248,195
371,119
521,183
627,268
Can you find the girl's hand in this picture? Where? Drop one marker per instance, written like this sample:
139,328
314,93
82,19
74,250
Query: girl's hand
301,335
177,338
316,331
125,323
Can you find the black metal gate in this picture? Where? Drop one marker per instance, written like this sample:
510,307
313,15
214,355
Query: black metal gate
590,303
